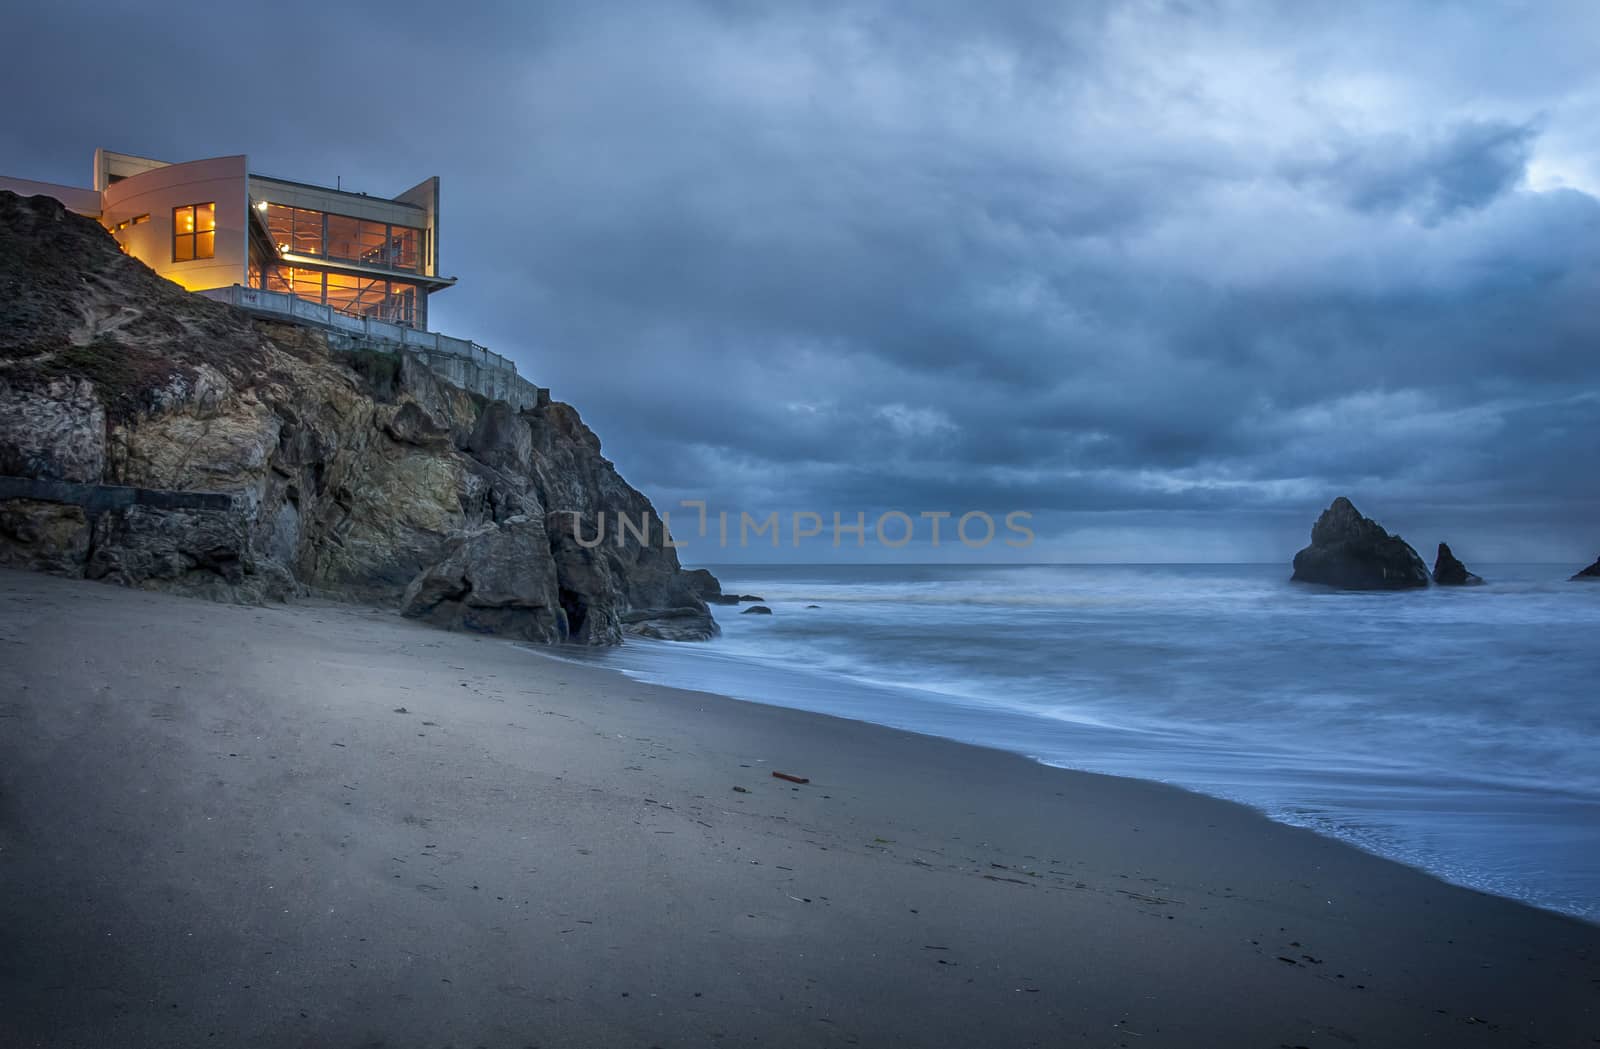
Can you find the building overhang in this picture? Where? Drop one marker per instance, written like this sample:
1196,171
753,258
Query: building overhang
355,269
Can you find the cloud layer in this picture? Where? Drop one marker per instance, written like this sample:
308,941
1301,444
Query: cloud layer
1168,275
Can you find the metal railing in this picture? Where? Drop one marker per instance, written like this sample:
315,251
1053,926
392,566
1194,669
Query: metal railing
292,307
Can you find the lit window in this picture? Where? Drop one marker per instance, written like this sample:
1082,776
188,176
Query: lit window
140,218
194,232
296,231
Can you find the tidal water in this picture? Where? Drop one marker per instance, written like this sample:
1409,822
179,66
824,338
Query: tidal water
1456,730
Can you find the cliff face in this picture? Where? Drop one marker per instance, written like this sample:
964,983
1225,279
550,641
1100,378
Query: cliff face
357,475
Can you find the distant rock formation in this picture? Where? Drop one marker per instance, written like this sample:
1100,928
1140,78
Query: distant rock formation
757,610
702,582
1588,575
1355,553
1448,571
355,475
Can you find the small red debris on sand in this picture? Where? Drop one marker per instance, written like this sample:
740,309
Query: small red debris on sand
791,779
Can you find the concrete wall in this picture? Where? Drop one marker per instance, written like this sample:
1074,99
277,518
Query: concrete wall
220,180
83,201
497,384
425,195
109,165
98,498
357,205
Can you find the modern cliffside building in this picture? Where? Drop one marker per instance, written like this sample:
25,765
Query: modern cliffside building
212,223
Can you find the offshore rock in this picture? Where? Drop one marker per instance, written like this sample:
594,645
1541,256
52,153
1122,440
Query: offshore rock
1355,553
1448,571
1588,575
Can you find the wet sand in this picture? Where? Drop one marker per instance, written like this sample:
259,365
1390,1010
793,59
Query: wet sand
324,826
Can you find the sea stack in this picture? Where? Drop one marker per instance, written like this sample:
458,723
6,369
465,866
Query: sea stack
1590,574
1355,553
1448,571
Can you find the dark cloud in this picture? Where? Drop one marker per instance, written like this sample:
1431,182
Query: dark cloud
1169,275
1434,176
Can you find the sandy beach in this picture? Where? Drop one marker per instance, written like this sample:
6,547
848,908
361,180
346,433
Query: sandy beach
327,826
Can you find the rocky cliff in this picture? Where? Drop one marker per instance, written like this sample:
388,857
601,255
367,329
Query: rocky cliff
354,475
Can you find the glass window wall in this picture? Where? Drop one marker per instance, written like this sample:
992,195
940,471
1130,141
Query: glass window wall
301,231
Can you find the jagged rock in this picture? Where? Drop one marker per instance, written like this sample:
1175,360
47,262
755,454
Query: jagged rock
56,431
1448,571
502,440
702,582
730,599
1588,575
43,537
1355,553
354,474
202,552
688,623
489,583
410,424
757,610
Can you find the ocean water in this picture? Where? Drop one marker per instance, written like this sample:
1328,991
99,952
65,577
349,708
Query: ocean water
1456,730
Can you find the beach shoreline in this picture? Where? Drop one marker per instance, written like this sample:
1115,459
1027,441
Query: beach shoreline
325,825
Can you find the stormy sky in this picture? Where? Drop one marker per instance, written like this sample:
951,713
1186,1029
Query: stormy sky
1168,276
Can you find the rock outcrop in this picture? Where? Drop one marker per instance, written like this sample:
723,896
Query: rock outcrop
1355,553
1588,575
1448,571
358,475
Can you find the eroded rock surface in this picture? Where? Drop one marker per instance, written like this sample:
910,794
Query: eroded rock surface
356,475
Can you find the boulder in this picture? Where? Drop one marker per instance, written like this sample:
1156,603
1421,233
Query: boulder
1353,552
492,582
410,424
1448,571
685,623
702,582
1590,574
757,610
